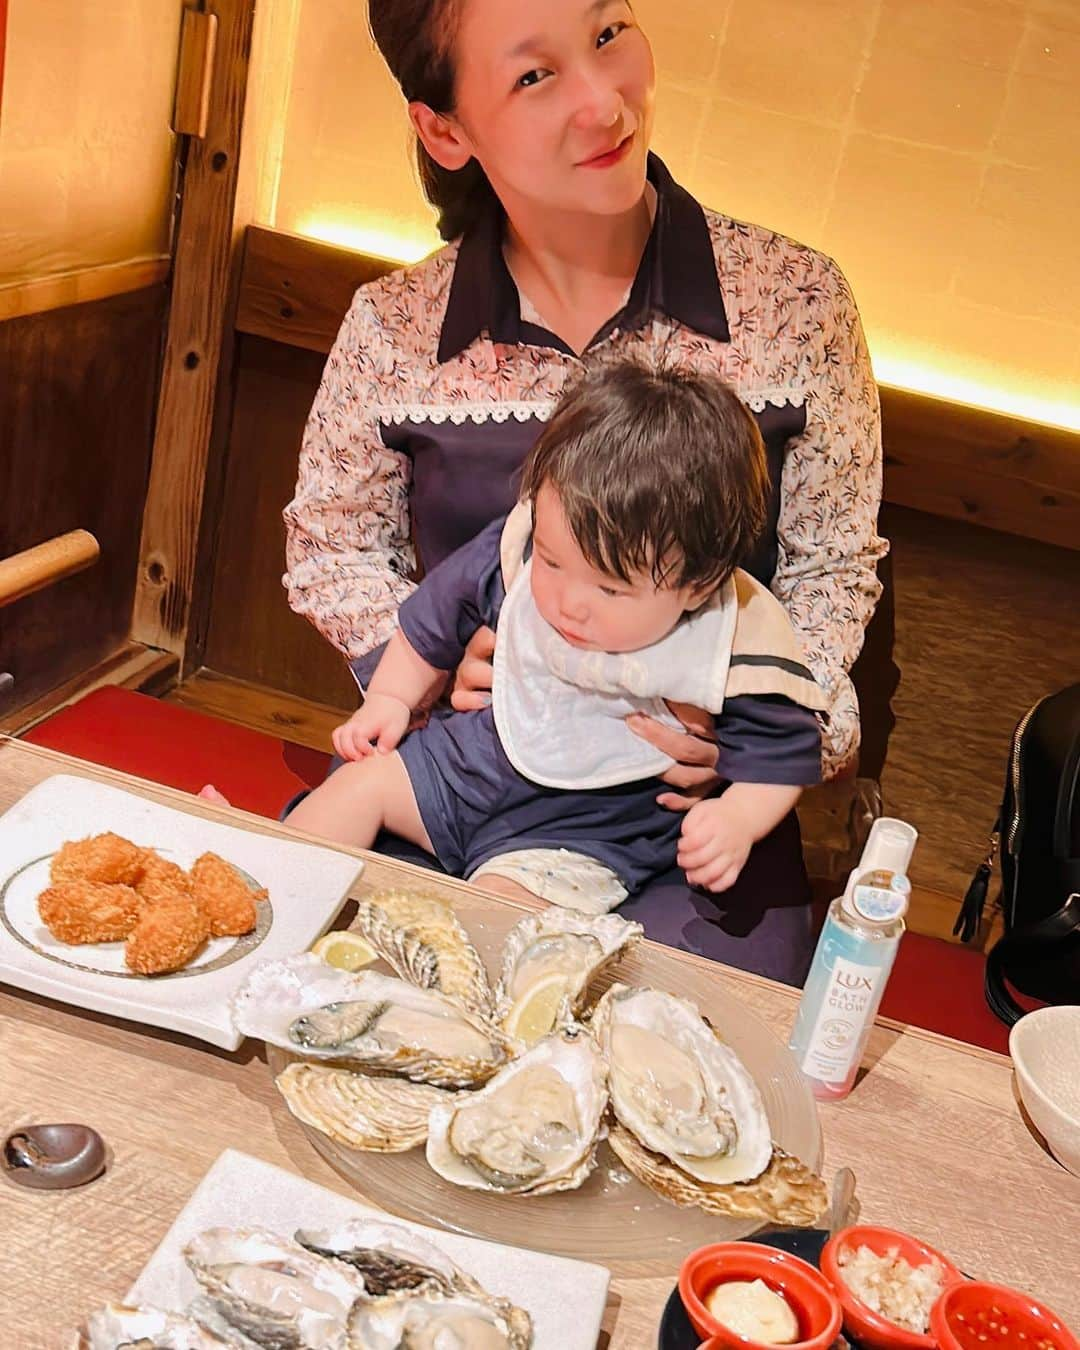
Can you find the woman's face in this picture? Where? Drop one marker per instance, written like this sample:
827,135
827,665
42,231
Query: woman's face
555,99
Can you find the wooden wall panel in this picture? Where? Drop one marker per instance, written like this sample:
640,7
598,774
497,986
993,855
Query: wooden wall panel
77,394
252,632
296,290
986,624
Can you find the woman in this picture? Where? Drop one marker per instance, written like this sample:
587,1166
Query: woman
572,244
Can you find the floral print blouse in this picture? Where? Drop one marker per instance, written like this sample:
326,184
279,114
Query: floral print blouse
442,374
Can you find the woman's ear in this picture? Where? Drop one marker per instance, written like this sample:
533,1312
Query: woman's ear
442,137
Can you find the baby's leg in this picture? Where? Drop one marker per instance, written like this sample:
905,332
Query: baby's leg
358,800
495,884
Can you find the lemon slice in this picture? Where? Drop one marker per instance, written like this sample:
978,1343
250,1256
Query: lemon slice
533,1015
346,951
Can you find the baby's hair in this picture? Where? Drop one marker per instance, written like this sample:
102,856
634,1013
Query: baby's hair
659,471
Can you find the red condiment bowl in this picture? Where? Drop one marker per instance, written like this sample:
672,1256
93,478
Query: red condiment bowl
961,1305
806,1291
861,1320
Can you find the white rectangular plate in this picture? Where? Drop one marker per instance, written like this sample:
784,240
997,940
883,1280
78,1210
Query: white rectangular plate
307,885
564,1298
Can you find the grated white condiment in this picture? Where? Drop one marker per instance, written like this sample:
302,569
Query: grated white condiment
900,1292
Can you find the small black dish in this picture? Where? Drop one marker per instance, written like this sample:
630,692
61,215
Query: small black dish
676,1329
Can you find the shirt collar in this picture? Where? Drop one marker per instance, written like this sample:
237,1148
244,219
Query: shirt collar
676,277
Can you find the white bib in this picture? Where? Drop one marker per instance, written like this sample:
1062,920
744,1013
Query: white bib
560,711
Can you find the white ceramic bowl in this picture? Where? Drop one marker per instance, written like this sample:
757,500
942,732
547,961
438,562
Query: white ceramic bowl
1045,1049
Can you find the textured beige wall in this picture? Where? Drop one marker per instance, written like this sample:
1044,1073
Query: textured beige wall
86,152
931,146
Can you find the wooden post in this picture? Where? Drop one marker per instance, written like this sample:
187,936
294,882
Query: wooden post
197,336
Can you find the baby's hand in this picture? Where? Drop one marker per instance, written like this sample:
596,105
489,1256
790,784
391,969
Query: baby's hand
378,725
714,845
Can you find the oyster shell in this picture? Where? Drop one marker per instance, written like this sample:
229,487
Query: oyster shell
274,1291
690,1122
118,1327
679,1089
533,1129
432,1321
391,1259
381,1115
420,936
372,1021
560,942
787,1192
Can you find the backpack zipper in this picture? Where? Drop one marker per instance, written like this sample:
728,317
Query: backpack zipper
1018,736
1014,824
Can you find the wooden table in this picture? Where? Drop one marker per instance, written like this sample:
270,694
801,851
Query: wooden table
933,1132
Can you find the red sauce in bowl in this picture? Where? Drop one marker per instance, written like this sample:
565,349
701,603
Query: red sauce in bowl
979,1316
997,1327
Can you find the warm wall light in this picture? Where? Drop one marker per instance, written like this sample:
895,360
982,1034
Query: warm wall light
956,388
393,245
897,371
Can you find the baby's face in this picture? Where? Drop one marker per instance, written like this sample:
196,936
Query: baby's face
588,608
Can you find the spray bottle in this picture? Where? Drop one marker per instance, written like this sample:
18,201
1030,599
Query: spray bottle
851,965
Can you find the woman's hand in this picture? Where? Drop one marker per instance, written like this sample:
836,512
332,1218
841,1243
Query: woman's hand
473,678
694,750
376,726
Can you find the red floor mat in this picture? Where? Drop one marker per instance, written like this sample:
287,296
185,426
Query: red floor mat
934,984
181,749
939,985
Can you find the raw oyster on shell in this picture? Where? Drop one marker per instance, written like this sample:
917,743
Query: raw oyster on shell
690,1120
435,1321
533,1129
274,1291
420,936
370,1021
118,1327
679,1088
391,1259
380,1115
561,943
787,1192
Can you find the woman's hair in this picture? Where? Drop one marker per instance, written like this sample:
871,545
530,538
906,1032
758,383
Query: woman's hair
416,38
658,470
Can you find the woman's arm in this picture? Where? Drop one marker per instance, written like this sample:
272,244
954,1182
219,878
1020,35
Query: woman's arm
826,573
348,550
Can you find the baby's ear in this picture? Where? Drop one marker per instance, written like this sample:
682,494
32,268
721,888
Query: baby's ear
696,596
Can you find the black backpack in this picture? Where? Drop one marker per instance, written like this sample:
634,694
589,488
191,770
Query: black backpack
1037,835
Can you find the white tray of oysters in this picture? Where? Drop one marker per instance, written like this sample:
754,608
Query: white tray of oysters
262,1259
620,1122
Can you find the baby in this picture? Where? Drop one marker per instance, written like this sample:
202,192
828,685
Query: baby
614,590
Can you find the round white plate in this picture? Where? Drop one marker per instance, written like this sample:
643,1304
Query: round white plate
19,915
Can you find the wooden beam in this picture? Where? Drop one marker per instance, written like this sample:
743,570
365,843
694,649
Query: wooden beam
199,332
260,709
982,467
3,49
21,298
296,290
194,76
131,666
